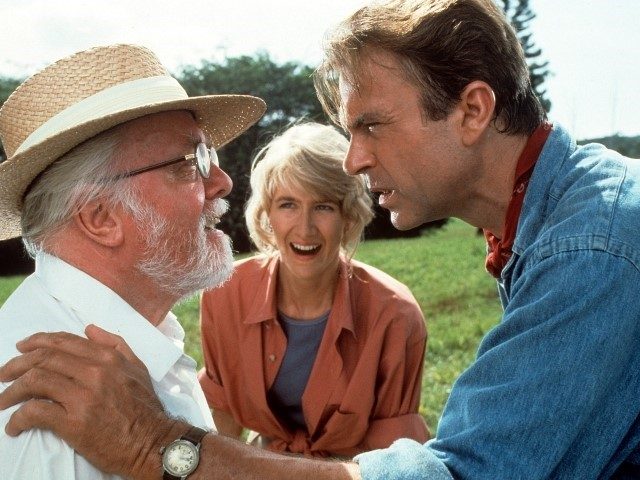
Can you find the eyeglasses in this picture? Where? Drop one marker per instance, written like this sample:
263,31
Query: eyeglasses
203,158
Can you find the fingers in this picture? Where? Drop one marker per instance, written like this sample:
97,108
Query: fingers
101,346
36,413
62,341
85,371
41,358
38,383
98,335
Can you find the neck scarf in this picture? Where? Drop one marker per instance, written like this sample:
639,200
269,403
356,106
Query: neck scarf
500,249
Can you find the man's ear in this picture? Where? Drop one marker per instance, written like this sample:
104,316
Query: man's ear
477,103
101,222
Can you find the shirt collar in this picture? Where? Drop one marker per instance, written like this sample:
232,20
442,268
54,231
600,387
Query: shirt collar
550,171
94,303
341,311
265,305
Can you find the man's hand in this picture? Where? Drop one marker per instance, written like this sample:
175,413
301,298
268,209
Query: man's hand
95,394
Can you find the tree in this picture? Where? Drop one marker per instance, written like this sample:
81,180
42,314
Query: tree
520,15
628,146
289,93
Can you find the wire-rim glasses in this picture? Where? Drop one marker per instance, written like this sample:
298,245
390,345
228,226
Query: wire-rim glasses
202,158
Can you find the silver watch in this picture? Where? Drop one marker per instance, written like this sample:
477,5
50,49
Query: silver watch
181,457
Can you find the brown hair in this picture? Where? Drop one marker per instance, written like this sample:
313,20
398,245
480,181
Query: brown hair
442,46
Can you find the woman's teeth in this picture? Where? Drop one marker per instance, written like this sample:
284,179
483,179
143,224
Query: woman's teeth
305,249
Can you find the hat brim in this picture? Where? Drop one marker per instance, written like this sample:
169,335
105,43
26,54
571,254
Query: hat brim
221,117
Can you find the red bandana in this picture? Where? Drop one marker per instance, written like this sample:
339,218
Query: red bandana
500,249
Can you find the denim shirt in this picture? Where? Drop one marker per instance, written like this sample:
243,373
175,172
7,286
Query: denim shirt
554,392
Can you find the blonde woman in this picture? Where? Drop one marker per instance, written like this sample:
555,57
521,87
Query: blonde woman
317,353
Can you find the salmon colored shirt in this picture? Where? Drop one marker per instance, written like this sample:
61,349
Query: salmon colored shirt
364,389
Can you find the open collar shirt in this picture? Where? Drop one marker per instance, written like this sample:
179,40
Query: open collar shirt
554,392
364,389
59,297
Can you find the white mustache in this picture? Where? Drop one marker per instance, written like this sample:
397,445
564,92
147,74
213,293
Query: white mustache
214,211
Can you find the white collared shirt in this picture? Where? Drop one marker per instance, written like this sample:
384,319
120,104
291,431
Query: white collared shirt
59,297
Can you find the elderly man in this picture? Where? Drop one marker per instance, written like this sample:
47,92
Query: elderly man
444,122
113,181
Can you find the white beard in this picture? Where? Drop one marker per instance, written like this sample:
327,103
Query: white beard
207,265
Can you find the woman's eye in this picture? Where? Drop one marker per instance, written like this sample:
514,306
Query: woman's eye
325,207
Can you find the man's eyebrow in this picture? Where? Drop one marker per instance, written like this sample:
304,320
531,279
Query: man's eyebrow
199,136
356,122
363,119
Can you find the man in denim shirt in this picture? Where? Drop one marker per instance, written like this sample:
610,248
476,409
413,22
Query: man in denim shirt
444,123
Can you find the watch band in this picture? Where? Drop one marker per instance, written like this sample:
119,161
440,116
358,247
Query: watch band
193,435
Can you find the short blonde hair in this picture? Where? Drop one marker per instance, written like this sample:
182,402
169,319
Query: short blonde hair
307,156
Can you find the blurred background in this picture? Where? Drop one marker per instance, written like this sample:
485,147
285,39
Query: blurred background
583,59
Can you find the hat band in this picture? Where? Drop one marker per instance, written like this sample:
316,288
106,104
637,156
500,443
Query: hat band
124,96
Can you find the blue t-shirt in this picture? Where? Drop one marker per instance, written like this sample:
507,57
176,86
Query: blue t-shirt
303,341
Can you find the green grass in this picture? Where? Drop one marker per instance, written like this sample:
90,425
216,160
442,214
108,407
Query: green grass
8,285
445,272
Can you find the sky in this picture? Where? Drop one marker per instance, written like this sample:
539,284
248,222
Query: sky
593,46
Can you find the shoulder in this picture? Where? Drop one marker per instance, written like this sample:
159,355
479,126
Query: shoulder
39,454
584,198
374,289
249,292
375,279
251,266
246,273
30,309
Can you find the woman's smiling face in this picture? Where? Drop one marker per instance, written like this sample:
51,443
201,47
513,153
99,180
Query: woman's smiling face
308,232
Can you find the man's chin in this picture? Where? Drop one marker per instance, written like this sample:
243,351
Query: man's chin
223,265
401,222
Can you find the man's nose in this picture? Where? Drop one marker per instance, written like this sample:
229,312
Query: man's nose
218,185
358,158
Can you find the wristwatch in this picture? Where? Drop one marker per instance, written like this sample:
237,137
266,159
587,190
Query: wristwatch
181,457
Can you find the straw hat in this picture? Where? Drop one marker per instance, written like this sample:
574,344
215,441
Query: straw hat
87,93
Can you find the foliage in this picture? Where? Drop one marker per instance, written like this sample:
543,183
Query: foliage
519,14
628,146
288,91
444,270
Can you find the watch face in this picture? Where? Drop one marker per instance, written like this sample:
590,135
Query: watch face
180,458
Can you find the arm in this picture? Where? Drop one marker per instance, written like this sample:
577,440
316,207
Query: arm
225,458
399,389
209,376
86,379
554,390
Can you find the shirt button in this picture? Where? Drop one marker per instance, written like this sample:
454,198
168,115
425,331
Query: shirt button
272,358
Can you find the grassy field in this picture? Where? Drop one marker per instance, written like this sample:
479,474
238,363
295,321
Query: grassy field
444,269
